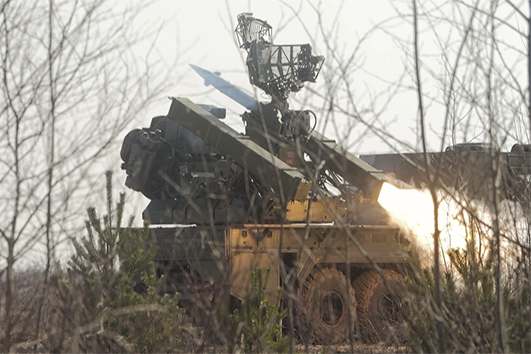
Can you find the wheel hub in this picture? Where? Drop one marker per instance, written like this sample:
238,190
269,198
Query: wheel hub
332,308
390,306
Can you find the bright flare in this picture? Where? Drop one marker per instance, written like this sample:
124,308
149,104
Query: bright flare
413,210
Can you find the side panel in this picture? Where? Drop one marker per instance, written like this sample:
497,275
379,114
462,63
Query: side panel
240,273
246,252
265,246
227,255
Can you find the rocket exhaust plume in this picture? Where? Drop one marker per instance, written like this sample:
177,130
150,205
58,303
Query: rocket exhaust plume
413,210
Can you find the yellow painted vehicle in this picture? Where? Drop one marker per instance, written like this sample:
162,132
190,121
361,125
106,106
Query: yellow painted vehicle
281,196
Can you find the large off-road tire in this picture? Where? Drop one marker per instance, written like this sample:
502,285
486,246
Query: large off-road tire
326,302
380,306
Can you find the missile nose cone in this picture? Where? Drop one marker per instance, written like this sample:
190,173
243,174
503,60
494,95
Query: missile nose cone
196,68
205,74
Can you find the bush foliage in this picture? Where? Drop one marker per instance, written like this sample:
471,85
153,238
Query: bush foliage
468,315
97,304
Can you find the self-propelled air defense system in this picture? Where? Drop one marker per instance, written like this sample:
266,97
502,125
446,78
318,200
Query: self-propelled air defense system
280,196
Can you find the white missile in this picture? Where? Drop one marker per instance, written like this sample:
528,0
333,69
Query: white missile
226,88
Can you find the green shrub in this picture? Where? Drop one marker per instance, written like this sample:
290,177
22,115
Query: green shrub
99,310
468,307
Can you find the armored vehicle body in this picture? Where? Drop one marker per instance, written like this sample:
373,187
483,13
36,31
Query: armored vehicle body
281,197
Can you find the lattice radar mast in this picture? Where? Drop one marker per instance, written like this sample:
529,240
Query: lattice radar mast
276,69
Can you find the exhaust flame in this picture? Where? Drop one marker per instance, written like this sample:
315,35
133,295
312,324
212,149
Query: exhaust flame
413,210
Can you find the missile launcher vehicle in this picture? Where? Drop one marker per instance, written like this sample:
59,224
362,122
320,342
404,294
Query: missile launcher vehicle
280,196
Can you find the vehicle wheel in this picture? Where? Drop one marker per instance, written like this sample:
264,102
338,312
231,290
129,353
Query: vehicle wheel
326,303
380,306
